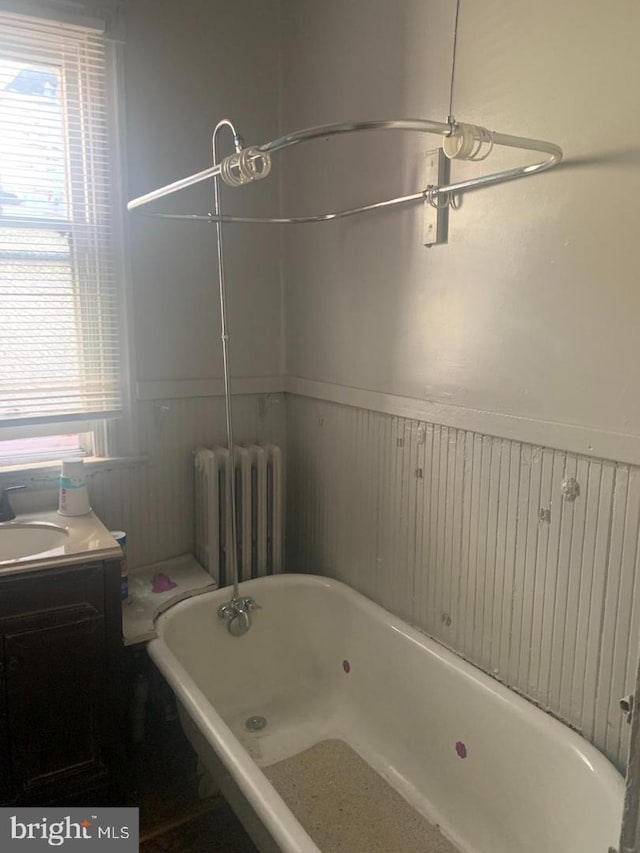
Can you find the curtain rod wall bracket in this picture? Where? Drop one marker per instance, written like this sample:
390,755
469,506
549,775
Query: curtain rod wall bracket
435,215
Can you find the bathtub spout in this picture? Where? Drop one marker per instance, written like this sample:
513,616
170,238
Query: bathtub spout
237,614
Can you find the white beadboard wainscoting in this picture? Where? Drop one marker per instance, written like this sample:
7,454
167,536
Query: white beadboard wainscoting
468,537
153,501
151,497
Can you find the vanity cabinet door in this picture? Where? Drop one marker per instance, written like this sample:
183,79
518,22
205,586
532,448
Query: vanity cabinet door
55,664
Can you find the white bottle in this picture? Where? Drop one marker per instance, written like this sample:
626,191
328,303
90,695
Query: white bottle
73,497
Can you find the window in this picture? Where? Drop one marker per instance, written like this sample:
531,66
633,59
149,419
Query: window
60,324
19,451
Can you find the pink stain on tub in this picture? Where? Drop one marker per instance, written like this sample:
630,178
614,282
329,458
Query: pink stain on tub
346,666
461,749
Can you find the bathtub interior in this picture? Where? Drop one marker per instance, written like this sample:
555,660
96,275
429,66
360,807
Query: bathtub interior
322,662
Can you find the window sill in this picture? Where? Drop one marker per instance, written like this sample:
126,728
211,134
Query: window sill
51,470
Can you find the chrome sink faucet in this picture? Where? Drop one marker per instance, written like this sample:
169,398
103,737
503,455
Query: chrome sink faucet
6,510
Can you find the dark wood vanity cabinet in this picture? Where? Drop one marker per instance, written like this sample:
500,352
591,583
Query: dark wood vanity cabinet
60,643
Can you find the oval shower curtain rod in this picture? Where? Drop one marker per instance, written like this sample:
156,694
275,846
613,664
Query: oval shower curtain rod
460,141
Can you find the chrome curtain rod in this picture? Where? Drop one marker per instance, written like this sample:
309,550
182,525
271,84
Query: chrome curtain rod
467,135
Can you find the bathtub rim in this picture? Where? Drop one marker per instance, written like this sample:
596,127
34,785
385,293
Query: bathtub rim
263,797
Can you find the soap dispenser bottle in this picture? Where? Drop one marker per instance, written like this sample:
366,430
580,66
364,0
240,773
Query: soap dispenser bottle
73,497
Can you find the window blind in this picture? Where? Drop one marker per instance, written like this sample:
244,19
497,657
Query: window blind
59,303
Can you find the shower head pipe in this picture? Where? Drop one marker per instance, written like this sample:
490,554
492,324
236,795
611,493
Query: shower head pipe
553,156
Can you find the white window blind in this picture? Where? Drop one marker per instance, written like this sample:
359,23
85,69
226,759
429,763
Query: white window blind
59,305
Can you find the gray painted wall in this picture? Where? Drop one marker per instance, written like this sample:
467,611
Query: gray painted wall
186,67
530,311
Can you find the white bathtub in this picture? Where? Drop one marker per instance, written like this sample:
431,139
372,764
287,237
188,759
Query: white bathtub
497,774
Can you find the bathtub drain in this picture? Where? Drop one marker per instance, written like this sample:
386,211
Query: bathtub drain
254,724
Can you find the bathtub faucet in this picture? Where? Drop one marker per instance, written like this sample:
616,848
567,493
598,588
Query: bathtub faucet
237,614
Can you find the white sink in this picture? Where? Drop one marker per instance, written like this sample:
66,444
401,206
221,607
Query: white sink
42,540
21,539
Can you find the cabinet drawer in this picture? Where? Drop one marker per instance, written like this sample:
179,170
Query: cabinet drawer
34,592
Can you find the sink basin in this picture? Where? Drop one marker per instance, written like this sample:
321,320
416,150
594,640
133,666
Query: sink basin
43,540
19,540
